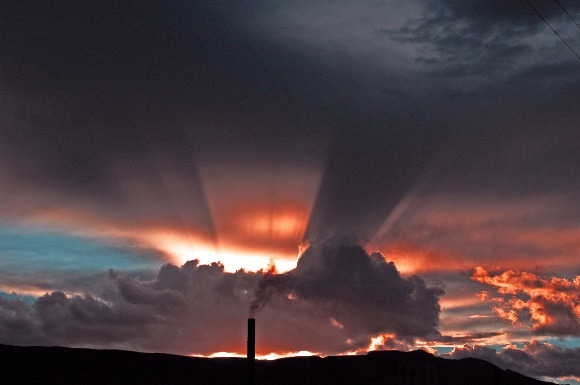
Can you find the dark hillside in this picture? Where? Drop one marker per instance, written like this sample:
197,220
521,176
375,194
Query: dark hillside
64,366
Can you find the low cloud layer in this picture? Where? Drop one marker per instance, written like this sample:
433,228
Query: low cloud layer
117,110
534,359
348,294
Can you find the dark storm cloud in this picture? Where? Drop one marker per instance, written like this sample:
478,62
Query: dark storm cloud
348,293
105,102
84,319
109,107
143,76
534,359
363,292
473,135
89,108
484,37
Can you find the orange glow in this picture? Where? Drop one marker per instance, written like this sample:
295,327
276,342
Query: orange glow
275,356
492,234
429,349
551,301
412,260
498,339
183,249
375,343
379,341
482,295
251,238
260,225
263,208
353,353
337,324
179,246
510,315
454,302
242,215
252,225
382,342
269,356
33,291
289,222
24,290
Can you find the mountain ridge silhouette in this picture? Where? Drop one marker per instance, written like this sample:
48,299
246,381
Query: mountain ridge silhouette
39,365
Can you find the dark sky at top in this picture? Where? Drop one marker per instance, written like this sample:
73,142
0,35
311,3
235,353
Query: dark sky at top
461,93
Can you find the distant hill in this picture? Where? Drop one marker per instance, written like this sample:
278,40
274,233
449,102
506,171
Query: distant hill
64,366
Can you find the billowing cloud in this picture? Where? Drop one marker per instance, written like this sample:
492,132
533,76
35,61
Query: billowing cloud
352,296
549,306
535,358
17,323
363,291
175,312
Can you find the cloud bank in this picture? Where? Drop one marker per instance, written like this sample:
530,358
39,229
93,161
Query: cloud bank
348,294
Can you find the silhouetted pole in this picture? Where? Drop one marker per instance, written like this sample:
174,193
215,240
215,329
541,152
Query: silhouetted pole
251,353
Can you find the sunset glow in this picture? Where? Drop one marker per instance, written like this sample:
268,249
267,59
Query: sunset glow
183,249
355,176
267,357
23,290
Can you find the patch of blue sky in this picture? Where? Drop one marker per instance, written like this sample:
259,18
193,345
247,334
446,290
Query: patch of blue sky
443,349
24,250
564,381
569,342
497,348
13,296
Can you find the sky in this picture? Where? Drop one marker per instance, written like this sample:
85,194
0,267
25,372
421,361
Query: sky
357,175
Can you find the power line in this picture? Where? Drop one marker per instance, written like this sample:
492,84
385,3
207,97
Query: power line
557,34
570,16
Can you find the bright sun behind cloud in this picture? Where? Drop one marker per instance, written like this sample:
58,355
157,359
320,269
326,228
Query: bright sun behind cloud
183,248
